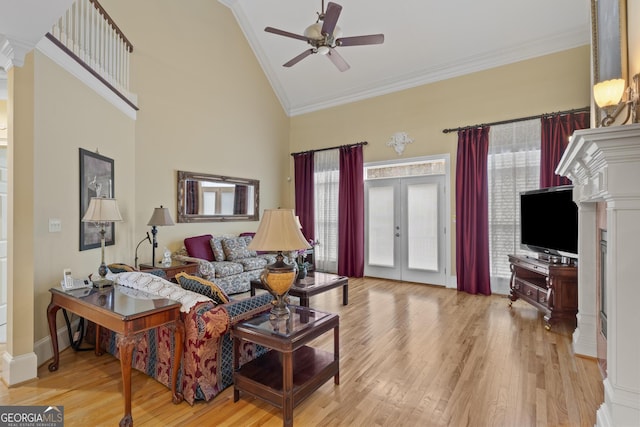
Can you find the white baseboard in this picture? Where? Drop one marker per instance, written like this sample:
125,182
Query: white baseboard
16,370
43,348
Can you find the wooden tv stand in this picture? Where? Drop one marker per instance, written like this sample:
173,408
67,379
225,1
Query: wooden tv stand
551,288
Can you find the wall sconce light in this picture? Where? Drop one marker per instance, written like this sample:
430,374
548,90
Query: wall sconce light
398,141
609,96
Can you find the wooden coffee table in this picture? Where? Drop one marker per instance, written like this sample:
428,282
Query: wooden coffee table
291,371
315,283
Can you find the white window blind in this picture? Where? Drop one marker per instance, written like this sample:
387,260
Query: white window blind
326,180
513,166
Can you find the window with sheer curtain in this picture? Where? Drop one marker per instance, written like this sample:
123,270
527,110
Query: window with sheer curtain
513,166
326,180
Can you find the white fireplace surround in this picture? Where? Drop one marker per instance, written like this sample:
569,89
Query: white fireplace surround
604,165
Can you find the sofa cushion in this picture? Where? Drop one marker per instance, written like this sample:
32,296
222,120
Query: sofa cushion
228,268
199,246
235,249
202,286
248,240
253,263
216,247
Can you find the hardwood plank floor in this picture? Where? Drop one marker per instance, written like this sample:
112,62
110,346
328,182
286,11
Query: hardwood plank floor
410,355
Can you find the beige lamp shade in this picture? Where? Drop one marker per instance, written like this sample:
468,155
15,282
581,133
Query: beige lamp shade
608,93
161,217
102,209
278,231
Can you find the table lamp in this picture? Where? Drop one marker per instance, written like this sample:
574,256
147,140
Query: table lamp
102,211
278,232
160,217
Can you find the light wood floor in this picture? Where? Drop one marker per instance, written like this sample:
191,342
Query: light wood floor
411,355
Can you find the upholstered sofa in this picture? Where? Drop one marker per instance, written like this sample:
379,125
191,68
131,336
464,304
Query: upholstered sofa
207,363
226,260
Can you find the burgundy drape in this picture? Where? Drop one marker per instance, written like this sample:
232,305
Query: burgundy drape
472,212
240,200
192,197
351,212
555,133
304,189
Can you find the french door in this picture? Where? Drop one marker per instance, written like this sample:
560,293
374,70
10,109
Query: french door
405,229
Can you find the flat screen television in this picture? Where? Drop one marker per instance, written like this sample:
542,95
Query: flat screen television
549,221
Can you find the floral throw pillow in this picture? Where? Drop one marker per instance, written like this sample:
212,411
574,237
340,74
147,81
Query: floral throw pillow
235,249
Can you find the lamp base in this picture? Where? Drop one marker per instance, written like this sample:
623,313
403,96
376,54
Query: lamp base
103,283
280,310
277,278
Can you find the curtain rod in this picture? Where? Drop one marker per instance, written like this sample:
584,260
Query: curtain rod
330,148
539,116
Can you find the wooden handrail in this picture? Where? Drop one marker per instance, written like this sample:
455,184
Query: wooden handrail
111,22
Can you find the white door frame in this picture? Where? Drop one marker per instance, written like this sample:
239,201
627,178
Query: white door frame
446,204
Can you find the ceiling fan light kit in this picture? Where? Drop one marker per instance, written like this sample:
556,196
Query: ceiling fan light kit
324,36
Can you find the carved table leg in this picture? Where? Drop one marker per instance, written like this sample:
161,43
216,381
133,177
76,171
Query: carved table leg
125,347
52,310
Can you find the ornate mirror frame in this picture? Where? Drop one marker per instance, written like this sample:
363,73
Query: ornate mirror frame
187,201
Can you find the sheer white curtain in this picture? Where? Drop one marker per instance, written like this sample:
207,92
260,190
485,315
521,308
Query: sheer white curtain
514,166
326,180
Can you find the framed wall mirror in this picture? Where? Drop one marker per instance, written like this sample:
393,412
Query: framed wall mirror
209,198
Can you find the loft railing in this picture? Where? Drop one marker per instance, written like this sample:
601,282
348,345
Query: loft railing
87,33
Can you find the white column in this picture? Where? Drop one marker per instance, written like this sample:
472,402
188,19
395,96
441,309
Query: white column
585,335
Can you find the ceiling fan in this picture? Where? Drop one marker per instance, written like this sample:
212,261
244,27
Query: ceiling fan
324,36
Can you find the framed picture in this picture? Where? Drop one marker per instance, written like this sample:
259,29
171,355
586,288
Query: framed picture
96,180
609,40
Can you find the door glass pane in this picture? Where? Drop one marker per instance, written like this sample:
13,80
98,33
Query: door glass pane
422,226
381,223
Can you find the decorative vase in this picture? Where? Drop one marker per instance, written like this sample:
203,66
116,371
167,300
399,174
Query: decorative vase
302,271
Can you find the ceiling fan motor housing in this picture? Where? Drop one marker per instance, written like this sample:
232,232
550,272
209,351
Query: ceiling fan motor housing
317,39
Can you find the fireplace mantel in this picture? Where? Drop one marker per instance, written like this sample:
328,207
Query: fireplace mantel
604,165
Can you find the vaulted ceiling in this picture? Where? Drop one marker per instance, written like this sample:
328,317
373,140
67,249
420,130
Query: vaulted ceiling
425,41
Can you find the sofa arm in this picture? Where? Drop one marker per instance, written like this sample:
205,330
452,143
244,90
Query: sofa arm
242,309
206,270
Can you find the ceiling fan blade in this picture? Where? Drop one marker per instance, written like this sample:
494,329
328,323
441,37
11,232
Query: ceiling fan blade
285,33
298,58
338,60
360,40
331,18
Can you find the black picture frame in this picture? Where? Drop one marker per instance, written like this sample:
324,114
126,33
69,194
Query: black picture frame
96,180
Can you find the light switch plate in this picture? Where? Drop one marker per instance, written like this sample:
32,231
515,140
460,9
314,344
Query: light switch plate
55,225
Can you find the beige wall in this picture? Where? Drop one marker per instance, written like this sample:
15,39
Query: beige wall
67,116
542,85
205,106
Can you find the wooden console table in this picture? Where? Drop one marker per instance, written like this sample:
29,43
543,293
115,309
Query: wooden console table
551,288
176,267
116,309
